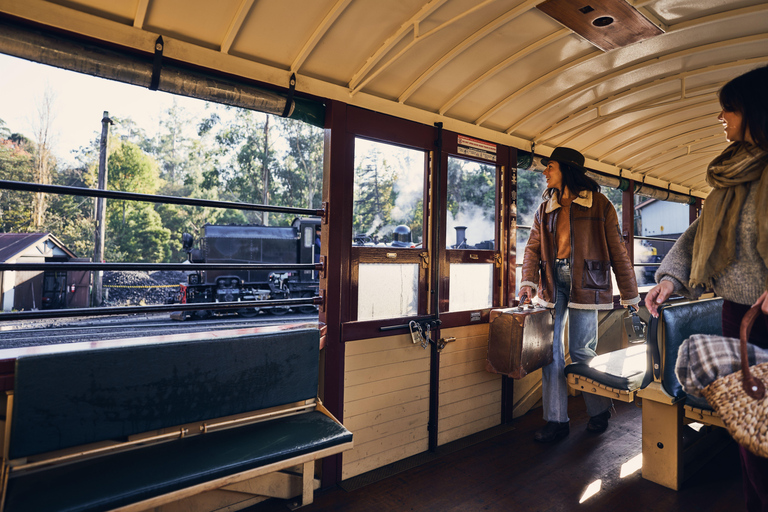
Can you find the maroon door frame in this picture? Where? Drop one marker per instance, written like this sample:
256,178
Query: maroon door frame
344,123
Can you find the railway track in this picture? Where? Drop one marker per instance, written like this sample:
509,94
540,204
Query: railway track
30,334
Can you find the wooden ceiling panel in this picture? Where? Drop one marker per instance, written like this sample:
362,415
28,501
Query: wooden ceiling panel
500,70
122,11
467,68
528,74
451,29
672,12
262,39
196,21
362,29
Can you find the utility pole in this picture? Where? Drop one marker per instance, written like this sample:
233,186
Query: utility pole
101,209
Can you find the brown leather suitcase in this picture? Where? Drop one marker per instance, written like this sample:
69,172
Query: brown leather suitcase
520,340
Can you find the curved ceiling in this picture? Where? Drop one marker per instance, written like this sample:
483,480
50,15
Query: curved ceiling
501,70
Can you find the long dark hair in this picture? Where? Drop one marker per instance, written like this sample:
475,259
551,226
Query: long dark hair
746,94
575,179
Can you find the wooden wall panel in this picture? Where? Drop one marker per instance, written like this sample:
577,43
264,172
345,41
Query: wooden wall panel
470,397
386,402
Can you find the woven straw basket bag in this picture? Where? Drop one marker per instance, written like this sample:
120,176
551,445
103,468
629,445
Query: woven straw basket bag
740,397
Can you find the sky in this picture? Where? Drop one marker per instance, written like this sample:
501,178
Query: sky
79,103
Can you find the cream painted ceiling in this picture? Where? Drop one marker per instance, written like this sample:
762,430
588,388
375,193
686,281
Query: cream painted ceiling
496,69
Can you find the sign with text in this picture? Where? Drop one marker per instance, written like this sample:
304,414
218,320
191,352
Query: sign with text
476,148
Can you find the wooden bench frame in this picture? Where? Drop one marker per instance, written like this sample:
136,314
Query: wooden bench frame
287,478
587,385
668,455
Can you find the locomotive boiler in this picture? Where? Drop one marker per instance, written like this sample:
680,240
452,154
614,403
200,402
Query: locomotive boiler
249,244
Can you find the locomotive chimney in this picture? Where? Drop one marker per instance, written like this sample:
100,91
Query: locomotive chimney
460,235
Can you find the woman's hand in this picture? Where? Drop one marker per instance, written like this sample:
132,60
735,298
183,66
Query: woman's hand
658,295
526,294
764,299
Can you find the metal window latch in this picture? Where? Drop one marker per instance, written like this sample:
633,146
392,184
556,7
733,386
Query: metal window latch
444,341
635,326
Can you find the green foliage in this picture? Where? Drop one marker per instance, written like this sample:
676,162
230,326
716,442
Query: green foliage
140,237
16,164
374,196
232,154
71,218
131,170
471,185
5,132
530,186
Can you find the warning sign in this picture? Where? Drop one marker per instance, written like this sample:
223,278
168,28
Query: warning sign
476,148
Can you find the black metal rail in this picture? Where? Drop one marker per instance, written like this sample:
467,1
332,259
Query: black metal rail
148,198
99,266
159,266
164,308
655,238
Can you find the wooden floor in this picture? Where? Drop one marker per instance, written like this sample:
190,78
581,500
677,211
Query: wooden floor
512,473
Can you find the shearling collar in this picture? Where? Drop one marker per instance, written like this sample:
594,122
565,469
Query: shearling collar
584,199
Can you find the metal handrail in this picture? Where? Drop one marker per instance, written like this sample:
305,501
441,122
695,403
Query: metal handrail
148,198
60,265
655,238
127,310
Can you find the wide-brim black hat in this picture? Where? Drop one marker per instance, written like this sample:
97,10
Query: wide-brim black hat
566,156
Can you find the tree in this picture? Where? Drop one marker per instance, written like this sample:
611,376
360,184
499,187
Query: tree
5,132
16,164
45,163
245,156
301,175
374,194
530,186
135,231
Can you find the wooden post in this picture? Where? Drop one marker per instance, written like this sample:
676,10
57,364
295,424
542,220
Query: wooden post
101,208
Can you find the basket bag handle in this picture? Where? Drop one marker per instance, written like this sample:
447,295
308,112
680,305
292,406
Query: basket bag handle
753,387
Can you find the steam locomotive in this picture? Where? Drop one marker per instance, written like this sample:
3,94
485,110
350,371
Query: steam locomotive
253,244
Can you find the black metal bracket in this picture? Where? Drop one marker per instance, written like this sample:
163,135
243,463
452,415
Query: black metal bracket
289,100
157,65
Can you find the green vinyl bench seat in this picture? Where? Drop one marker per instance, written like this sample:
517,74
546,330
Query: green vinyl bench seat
105,483
144,424
618,374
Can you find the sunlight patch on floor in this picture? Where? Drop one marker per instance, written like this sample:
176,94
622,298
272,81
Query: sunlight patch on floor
591,490
632,465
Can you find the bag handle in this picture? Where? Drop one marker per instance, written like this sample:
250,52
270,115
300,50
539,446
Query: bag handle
752,386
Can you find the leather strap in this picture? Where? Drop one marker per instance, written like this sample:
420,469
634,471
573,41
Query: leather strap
752,386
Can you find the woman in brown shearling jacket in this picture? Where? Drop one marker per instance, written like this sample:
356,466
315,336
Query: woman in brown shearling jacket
575,242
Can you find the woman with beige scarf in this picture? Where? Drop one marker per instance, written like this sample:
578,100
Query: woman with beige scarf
726,248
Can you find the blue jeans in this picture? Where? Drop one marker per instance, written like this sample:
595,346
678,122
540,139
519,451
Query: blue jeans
582,342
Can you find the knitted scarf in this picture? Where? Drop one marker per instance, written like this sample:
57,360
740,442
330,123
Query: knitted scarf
730,174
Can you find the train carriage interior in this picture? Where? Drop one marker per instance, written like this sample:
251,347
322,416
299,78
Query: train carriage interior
431,119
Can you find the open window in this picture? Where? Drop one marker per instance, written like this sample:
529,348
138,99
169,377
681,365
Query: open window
471,234
388,227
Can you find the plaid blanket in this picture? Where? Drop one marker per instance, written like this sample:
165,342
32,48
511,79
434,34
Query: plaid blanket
702,359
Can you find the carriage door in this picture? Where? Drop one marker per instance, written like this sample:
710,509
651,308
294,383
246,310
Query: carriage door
387,375
395,401
469,398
